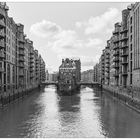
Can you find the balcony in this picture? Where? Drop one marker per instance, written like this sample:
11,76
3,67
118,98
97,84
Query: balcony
31,53
107,66
116,47
116,53
116,40
116,31
102,59
107,77
21,40
107,62
107,57
37,68
107,70
21,46
102,62
124,54
116,66
124,38
31,61
31,75
31,57
21,74
37,63
21,65
31,69
124,46
31,65
116,59
107,53
116,74
124,73
6,7
2,54
124,62
21,53
2,35
21,59
123,30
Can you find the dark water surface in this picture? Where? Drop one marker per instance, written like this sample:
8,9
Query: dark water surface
91,113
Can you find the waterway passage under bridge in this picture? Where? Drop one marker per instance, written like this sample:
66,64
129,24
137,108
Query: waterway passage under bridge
91,113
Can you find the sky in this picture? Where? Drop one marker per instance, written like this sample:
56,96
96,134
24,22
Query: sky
68,29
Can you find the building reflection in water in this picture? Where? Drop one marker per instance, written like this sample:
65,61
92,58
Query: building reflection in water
69,114
90,109
90,113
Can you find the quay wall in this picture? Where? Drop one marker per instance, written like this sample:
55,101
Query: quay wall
8,98
130,96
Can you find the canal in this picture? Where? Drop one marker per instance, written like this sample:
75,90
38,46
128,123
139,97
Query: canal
90,113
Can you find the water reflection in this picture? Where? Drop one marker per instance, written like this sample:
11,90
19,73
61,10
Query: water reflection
118,120
90,113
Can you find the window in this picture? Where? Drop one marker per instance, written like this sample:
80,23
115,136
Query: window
131,38
131,20
131,56
130,78
131,47
131,29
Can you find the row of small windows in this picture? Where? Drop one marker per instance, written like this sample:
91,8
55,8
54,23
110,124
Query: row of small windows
136,39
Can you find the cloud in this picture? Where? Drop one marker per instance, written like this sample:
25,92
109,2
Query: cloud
67,43
70,43
94,42
45,29
64,41
78,24
99,24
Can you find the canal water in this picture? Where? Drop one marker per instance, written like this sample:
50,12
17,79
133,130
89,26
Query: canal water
90,113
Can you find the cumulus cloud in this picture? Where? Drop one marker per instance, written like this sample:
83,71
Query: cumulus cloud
99,23
68,43
64,41
45,29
